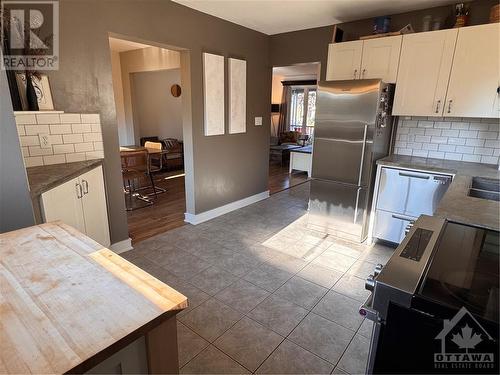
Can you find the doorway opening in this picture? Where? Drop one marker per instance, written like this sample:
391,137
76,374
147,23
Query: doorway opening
293,111
150,108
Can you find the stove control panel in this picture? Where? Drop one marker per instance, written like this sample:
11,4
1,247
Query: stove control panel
417,244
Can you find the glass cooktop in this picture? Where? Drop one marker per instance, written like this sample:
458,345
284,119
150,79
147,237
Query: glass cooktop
465,270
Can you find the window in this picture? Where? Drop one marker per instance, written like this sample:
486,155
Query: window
302,109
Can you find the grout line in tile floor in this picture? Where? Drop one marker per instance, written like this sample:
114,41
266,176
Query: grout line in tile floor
310,310
292,203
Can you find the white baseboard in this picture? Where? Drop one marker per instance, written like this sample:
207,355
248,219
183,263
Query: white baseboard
211,214
122,246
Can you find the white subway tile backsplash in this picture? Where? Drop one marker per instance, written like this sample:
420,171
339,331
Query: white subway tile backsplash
450,133
465,149
36,129
48,118
436,154
423,138
69,118
417,131
66,135
84,147
452,138
471,158
98,146
33,161
54,159
21,130
92,137
456,141
90,118
30,140
77,156
38,151
442,125
439,140
460,125
483,151
468,134
60,129
446,148
64,149
430,146
420,153
94,155
487,135
426,124
73,138
474,142
493,143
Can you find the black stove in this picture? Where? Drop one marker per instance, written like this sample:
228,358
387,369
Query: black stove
436,303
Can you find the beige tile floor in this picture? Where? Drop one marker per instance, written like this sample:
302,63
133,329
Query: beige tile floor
266,294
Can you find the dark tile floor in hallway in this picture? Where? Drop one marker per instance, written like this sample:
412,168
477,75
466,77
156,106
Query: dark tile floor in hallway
266,294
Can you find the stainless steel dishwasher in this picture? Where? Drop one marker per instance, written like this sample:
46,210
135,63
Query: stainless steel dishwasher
404,195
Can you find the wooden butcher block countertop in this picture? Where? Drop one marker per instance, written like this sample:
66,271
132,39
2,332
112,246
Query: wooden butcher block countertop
67,303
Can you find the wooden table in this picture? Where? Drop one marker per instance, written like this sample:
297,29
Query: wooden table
67,304
283,151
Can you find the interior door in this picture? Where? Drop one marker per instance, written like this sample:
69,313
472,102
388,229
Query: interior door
381,58
94,206
63,203
475,75
344,60
424,72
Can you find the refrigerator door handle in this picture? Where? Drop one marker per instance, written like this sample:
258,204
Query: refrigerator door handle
361,164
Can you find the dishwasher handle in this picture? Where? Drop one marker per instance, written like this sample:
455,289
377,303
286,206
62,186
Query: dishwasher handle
411,175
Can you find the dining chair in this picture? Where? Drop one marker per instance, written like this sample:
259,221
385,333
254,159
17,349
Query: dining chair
155,152
134,169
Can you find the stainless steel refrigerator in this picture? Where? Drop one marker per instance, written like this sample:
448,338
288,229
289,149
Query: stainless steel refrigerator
352,130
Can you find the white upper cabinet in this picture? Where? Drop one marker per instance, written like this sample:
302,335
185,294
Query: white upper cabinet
381,58
344,60
475,76
424,71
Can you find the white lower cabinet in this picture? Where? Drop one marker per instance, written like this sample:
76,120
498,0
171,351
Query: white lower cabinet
81,203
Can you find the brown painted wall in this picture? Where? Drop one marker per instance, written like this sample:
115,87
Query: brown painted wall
312,45
226,168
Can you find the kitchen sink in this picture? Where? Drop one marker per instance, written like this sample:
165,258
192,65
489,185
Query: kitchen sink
485,188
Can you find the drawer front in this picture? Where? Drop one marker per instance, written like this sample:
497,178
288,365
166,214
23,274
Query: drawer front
390,226
409,192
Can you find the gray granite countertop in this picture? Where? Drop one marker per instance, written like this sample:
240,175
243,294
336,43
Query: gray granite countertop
456,205
46,177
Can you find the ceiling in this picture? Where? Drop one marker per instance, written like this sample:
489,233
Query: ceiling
279,16
120,45
299,71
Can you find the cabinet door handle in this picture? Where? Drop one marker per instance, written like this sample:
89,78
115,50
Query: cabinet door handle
449,106
85,185
355,73
437,106
363,73
79,191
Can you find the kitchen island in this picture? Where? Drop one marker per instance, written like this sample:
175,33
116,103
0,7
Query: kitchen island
70,305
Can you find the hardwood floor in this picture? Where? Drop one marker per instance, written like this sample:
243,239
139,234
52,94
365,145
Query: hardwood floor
165,214
168,211
280,179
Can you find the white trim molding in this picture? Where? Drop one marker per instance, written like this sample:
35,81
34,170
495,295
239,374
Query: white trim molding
122,246
212,214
